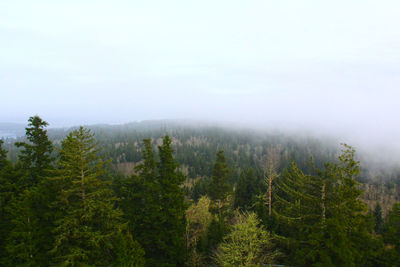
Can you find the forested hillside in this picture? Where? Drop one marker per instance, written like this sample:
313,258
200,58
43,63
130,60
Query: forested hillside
167,193
195,145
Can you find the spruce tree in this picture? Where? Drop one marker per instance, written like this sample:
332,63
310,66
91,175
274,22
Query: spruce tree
172,203
322,217
219,187
147,216
246,189
160,218
379,223
7,193
35,156
88,229
3,156
28,239
392,233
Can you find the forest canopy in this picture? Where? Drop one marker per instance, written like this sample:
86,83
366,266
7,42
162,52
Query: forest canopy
139,196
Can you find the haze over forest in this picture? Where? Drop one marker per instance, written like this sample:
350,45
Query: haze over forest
330,67
199,133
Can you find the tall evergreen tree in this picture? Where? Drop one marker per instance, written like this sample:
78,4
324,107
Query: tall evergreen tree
379,223
148,216
160,221
246,189
392,233
35,155
172,204
29,239
7,192
87,231
322,216
219,186
3,156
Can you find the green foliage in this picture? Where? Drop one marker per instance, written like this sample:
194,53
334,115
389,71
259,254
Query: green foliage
392,234
198,219
3,156
246,189
219,186
159,217
24,242
248,244
321,216
129,252
172,204
7,192
216,231
379,223
87,230
145,217
27,199
83,213
200,188
35,155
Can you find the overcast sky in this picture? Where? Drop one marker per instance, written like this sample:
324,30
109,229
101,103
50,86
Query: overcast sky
332,65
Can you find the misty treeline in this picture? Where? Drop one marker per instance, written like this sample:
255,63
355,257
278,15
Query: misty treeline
69,200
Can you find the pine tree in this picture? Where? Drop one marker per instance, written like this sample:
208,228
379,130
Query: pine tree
3,156
146,218
172,204
35,155
392,233
379,223
88,228
246,189
28,239
159,222
7,193
219,186
322,217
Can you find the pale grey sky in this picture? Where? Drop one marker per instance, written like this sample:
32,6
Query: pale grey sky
333,65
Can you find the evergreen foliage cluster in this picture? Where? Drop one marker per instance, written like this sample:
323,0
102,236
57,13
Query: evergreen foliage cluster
65,205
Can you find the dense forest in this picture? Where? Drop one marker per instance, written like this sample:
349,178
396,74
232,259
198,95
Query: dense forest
169,194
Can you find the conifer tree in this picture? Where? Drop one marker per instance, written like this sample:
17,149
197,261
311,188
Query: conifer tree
148,216
246,189
35,155
392,233
3,156
26,242
7,192
219,186
87,231
379,223
28,239
160,220
172,204
322,216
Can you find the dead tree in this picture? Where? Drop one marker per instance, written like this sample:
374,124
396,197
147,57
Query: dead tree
271,166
